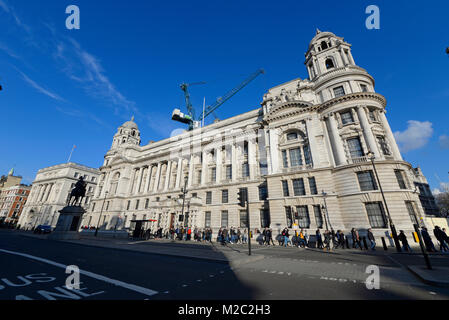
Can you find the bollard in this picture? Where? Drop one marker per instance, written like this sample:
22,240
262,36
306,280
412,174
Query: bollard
364,243
384,244
347,243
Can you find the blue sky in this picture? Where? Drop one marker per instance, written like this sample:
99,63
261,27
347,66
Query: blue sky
64,87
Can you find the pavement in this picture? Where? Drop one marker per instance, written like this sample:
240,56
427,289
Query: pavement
35,268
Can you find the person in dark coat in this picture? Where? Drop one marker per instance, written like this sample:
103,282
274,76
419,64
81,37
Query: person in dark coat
427,240
371,239
403,238
319,239
438,233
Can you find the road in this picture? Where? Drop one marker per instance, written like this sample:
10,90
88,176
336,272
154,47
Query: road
36,269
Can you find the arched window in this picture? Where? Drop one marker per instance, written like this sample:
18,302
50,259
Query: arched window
324,45
330,63
114,183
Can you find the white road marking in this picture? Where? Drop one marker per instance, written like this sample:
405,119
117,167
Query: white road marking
118,283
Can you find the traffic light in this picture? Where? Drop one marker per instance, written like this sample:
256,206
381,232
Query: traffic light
242,196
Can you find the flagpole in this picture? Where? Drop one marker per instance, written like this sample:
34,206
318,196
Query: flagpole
71,153
204,109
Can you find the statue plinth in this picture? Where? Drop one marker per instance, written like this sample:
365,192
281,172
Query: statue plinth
68,224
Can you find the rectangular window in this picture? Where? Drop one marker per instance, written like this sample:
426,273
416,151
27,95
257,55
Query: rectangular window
411,212
224,219
147,202
303,216
265,220
284,158
208,197
229,172
243,219
263,169
298,187
346,117
245,170
372,115
128,205
285,188
213,175
263,192
295,157
383,146
366,181
288,216
376,215
93,206
137,204
318,216
207,218
224,196
307,154
355,147
198,179
364,88
401,179
312,185
107,206
339,91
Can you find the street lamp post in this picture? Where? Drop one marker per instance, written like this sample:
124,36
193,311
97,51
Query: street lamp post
326,215
101,212
184,192
371,156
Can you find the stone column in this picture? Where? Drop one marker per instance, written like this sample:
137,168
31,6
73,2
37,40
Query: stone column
252,158
204,168
234,161
140,180
313,145
178,174
219,163
158,176
336,141
390,137
131,181
191,167
367,132
274,151
168,176
147,182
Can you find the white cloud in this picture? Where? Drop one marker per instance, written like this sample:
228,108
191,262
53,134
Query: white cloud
8,51
444,141
40,88
416,135
84,68
443,188
10,10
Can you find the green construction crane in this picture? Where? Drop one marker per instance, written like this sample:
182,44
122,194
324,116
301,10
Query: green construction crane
190,118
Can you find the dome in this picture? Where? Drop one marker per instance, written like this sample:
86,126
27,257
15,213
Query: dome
130,124
319,35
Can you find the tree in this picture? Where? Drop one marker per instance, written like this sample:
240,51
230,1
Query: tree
442,200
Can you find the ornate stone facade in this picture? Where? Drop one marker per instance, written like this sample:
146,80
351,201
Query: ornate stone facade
302,155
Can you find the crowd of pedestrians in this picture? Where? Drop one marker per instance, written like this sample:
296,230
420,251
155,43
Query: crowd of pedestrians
326,240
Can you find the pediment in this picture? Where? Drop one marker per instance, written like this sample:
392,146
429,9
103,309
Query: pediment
287,109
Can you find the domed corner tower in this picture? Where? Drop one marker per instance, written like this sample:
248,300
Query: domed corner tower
327,52
127,134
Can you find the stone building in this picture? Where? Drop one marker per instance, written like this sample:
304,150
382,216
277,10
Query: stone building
50,192
12,202
303,155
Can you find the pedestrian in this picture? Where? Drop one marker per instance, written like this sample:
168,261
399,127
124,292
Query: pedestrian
427,240
286,235
440,236
403,238
301,240
371,239
355,239
327,240
319,239
245,236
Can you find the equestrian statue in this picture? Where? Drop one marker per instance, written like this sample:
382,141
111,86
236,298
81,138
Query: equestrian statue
78,193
